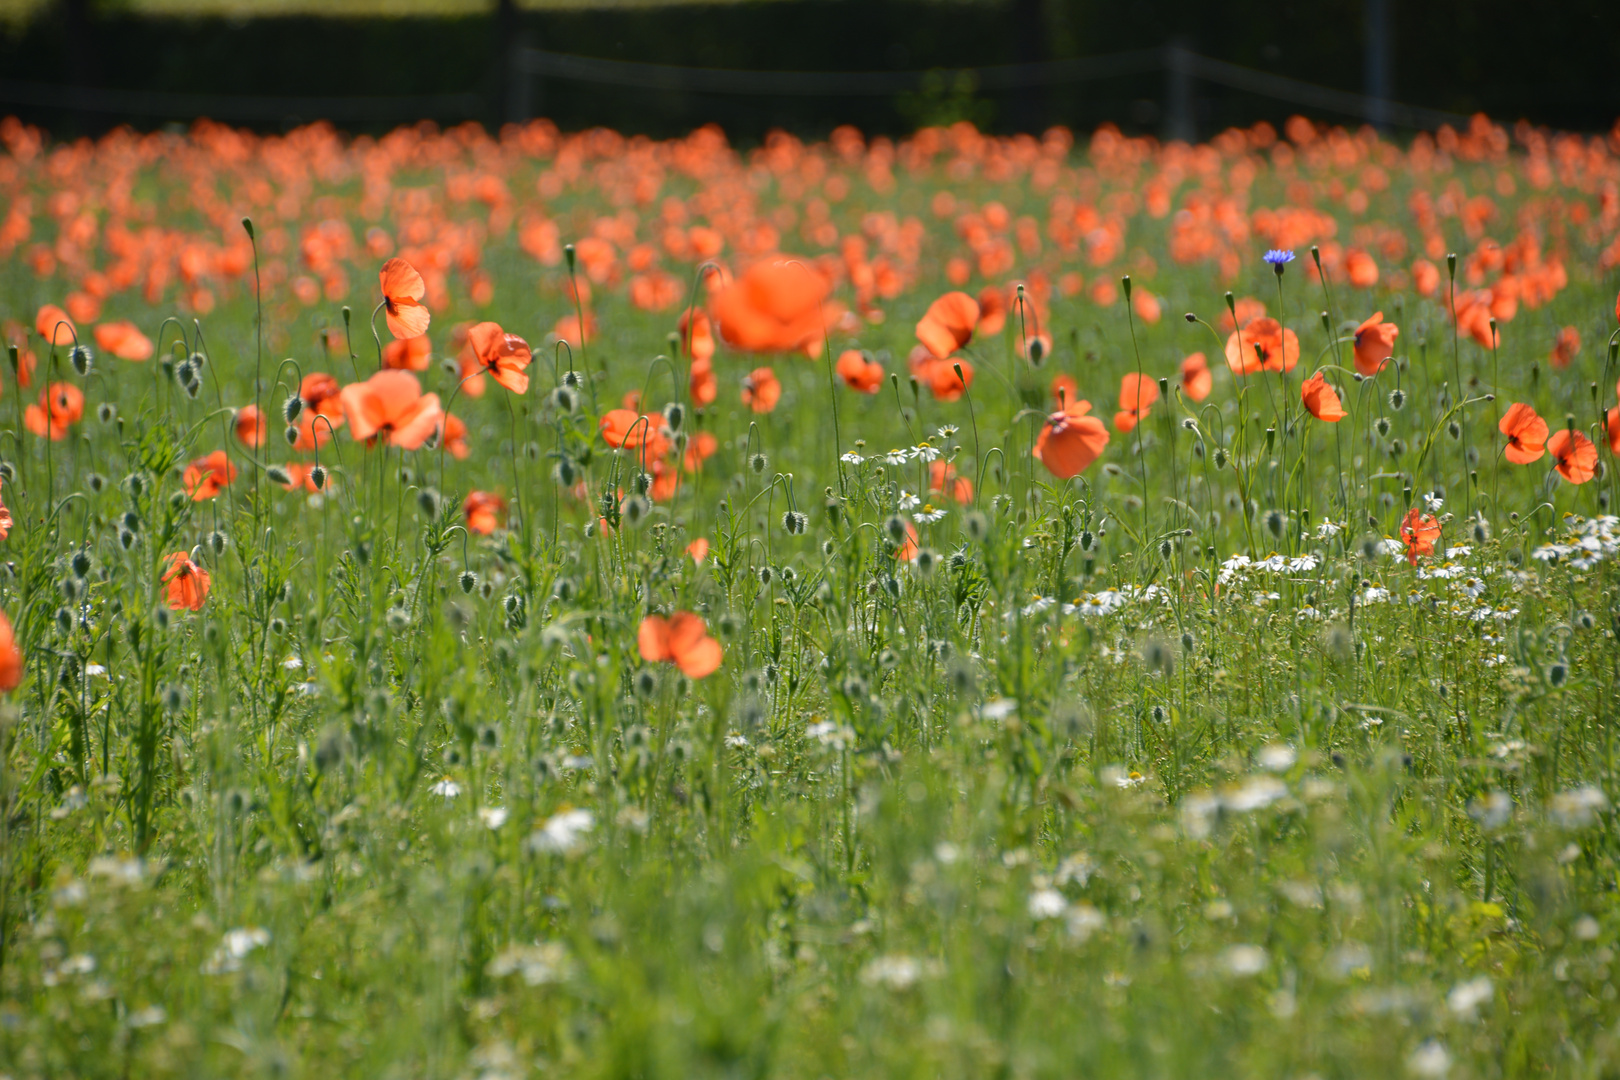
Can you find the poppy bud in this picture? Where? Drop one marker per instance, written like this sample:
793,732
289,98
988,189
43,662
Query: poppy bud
925,562
95,481
317,477
895,526
279,475
177,501
1451,264
126,539
564,399
674,415
976,526
1557,675
568,254
428,500
106,412
635,511
81,563
642,482
291,434
160,618
1231,305
12,353
766,575
566,472
1191,318
573,380
348,316
1271,438
1037,349
758,464
292,407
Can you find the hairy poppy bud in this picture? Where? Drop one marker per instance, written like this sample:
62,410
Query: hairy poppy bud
81,358
292,407
469,581
566,472
758,464
317,477
95,481
428,500
895,526
674,415
291,434
81,563
279,475
106,412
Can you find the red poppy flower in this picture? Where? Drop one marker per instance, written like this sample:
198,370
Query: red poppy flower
1262,345
697,335
704,386
1375,339
1321,400
5,521
699,449
484,510
124,340
1565,346
11,659
948,324
54,325
250,426
774,306
942,477
682,640
761,390
1071,440
1418,532
504,356
390,405
1526,434
1064,389
1196,380
908,550
1362,269
454,434
940,375
698,549
860,372
992,312
1612,424
188,583
403,289
1575,455
408,354
1137,393
207,476
61,405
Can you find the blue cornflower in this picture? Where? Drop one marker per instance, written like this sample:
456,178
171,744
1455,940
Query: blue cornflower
1278,258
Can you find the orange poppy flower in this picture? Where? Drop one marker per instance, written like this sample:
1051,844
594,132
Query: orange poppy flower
1565,346
774,306
1418,532
124,340
1038,346
300,475
61,405
484,510
408,354
1425,277
701,447
628,429
697,335
1071,440
1575,455
403,289
761,390
992,312
942,476
1196,380
940,375
11,659
948,324
705,387
908,550
1526,434
1375,339
1137,393
54,325
188,583
1262,345
682,640
207,476
5,521
1612,424
250,426
859,372
1362,269
1321,400
391,405
698,549
503,356
454,434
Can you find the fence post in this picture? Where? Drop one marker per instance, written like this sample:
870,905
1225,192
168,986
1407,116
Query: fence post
1379,71
1180,124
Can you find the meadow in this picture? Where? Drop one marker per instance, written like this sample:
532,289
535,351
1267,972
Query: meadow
500,605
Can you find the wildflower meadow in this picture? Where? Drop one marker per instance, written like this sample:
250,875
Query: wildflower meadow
540,604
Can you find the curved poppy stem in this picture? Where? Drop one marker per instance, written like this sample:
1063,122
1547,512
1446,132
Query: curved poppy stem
517,486
973,422
579,316
376,337
1136,406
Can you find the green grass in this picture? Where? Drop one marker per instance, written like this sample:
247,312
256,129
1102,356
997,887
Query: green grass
920,823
